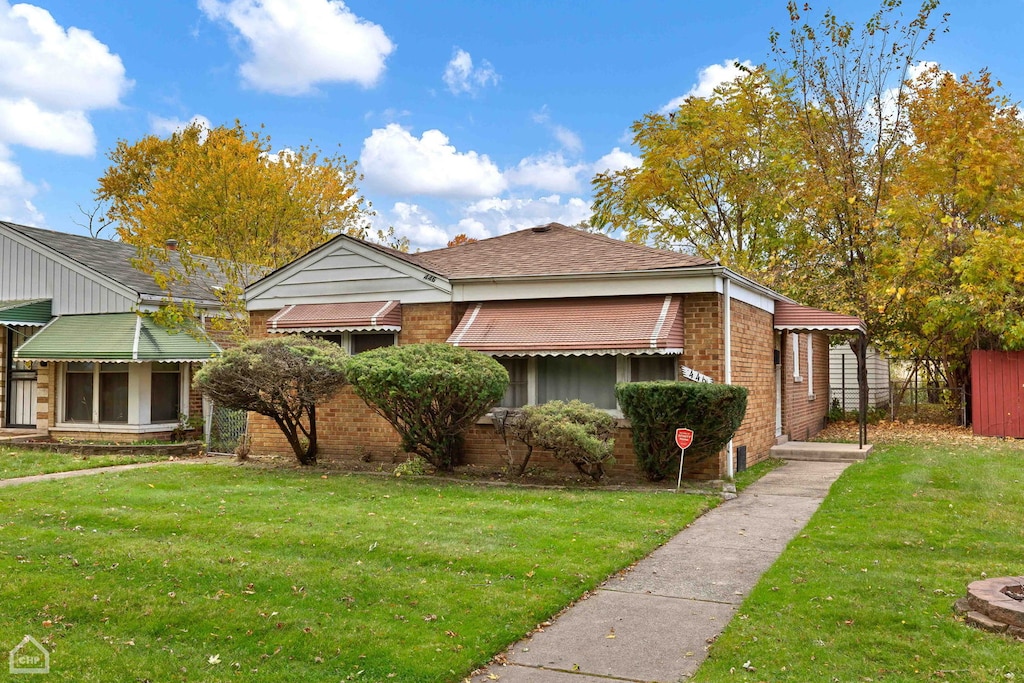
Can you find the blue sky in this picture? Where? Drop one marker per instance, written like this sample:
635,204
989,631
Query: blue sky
465,116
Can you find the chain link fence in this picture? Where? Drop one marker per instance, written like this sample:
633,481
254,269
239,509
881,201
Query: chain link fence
225,429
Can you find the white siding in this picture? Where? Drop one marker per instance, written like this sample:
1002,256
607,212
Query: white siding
878,373
28,274
342,275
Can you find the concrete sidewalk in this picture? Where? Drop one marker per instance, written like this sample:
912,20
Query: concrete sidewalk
70,474
654,621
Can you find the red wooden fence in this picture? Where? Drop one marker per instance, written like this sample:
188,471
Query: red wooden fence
997,393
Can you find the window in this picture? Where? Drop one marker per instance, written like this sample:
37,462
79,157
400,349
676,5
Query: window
591,379
652,368
796,357
810,366
587,378
357,342
113,392
165,393
516,395
78,392
364,341
96,392
137,397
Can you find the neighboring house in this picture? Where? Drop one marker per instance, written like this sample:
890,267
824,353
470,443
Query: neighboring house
842,372
77,360
568,313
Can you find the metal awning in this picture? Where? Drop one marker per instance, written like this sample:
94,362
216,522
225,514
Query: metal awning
798,318
365,316
114,338
560,327
29,312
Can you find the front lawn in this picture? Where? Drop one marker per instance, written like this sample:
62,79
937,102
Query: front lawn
199,573
20,462
866,592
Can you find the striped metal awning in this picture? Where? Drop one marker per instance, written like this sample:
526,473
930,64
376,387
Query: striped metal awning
29,312
798,318
633,325
114,338
364,316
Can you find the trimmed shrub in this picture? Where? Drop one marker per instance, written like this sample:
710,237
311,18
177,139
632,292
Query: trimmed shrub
656,409
576,432
281,377
510,425
430,393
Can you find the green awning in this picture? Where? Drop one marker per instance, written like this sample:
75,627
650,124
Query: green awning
114,338
31,312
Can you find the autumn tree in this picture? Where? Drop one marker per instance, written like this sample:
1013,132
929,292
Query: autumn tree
718,176
234,208
461,238
958,203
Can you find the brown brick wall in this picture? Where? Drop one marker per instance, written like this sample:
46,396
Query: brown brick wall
347,428
753,367
803,417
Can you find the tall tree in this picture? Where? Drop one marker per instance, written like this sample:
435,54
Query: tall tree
850,86
229,202
959,204
718,176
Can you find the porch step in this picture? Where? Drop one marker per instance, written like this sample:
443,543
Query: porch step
828,452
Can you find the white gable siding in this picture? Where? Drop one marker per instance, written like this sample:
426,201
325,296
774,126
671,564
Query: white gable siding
840,357
341,275
28,274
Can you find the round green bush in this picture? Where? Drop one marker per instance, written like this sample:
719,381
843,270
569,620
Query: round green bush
656,409
430,393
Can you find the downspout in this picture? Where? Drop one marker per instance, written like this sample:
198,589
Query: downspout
727,320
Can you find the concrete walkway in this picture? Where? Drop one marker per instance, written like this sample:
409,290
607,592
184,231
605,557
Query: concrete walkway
654,621
4,483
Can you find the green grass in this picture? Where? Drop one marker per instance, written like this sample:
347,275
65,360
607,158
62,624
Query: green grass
16,462
866,592
291,576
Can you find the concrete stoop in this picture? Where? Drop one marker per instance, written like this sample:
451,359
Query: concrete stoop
824,452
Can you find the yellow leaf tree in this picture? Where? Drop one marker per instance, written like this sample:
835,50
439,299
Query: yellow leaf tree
233,208
959,204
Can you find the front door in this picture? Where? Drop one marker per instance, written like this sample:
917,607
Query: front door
778,385
21,382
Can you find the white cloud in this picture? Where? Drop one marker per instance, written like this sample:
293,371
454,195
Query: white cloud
396,162
616,160
709,78
22,122
415,223
549,173
16,193
168,126
50,78
502,215
296,44
462,77
569,140
57,69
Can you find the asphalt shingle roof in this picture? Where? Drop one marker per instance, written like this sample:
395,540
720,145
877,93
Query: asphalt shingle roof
114,259
552,249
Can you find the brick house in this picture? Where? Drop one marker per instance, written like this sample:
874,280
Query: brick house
568,313
76,359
